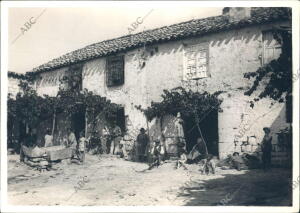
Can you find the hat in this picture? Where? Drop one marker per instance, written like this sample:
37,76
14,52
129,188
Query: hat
235,153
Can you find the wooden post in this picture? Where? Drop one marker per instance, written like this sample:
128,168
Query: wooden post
147,126
53,123
199,129
86,123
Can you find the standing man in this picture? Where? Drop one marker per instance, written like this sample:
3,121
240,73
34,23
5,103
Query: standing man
266,148
117,137
179,132
142,141
105,140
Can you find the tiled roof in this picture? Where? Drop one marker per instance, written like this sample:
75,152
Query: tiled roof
173,32
15,75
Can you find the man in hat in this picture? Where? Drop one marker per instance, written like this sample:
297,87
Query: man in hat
142,141
237,161
266,148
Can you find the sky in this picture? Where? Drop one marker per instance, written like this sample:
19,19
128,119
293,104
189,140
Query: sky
56,31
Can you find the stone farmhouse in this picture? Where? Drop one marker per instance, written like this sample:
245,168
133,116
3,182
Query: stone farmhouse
210,54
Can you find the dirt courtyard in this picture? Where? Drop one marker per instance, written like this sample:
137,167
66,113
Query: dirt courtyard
108,180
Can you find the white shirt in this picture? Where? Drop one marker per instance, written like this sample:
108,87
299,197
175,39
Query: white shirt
48,140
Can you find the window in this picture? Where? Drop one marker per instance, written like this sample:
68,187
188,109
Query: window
271,47
115,71
74,78
196,61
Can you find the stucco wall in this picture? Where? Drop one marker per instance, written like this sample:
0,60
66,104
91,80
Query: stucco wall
129,95
231,54
48,83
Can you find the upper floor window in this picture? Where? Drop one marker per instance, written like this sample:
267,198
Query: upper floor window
271,47
73,78
196,61
115,71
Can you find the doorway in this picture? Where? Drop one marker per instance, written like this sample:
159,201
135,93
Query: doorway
209,129
120,119
78,124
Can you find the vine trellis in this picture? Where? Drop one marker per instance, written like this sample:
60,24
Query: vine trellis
30,108
190,104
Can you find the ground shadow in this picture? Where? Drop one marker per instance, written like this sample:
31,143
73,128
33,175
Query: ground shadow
252,188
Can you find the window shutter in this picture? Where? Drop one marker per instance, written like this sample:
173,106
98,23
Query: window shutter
115,71
196,61
271,47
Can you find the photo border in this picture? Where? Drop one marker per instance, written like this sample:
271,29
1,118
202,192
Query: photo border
5,5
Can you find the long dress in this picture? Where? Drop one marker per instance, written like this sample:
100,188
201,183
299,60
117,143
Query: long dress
48,140
179,133
104,140
142,142
117,134
72,143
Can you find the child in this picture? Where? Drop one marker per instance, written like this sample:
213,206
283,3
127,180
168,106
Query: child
156,154
209,165
182,159
81,147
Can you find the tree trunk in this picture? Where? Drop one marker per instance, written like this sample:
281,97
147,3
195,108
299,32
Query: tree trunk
53,123
161,123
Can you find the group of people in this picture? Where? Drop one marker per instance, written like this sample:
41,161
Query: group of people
156,153
199,153
112,142
108,143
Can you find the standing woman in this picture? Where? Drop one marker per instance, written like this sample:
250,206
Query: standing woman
163,151
117,137
72,142
48,139
179,132
266,149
